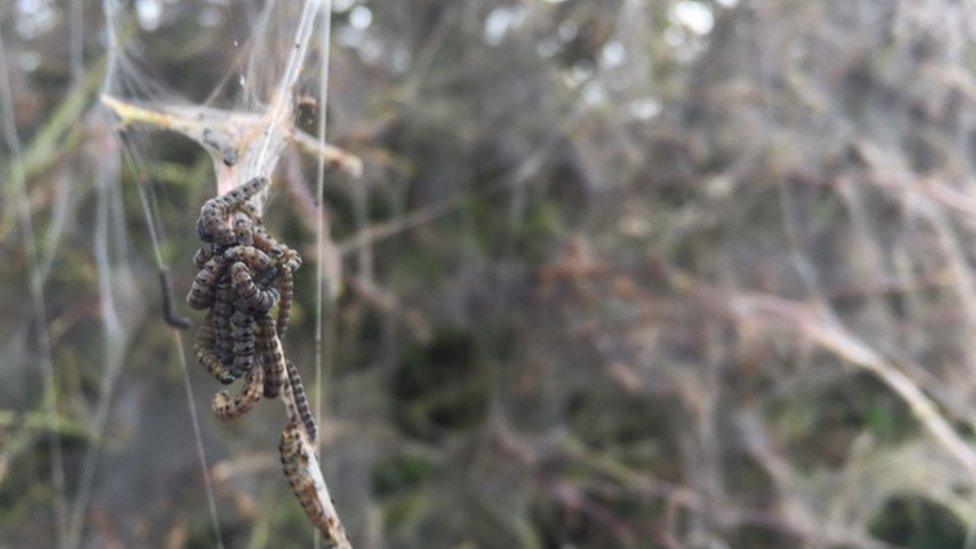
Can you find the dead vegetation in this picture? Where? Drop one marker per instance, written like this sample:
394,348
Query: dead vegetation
616,273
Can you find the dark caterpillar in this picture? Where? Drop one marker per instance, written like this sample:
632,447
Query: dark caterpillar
301,402
205,355
255,259
270,357
169,306
212,225
206,251
291,259
286,288
243,226
267,243
256,299
223,309
201,292
221,143
242,331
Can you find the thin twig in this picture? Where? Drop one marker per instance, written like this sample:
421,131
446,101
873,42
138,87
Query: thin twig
838,340
230,123
18,181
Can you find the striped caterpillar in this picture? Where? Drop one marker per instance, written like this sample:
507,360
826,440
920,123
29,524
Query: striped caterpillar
212,225
227,409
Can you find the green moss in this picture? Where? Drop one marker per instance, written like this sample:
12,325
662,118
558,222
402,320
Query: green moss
401,472
442,385
918,523
822,422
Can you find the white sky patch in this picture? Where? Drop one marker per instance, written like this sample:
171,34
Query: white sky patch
400,60
29,61
645,108
567,31
361,18
370,51
693,15
547,47
728,3
500,21
634,225
149,13
674,36
594,93
348,37
580,73
613,54
210,17
35,17
340,6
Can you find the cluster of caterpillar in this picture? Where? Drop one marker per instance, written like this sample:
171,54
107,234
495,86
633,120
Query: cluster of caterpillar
243,273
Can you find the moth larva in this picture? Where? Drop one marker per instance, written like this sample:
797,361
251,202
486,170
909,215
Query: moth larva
269,354
204,349
301,402
227,409
212,225
169,307
286,287
255,298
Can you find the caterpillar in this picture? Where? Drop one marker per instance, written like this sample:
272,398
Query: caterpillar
223,309
291,259
169,306
249,210
286,288
294,462
242,331
255,298
266,242
254,258
211,226
301,402
269,354
205,252
227,409
243,229
201,292
222,143
205,355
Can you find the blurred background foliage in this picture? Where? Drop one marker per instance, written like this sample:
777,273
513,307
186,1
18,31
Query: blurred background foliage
636,273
